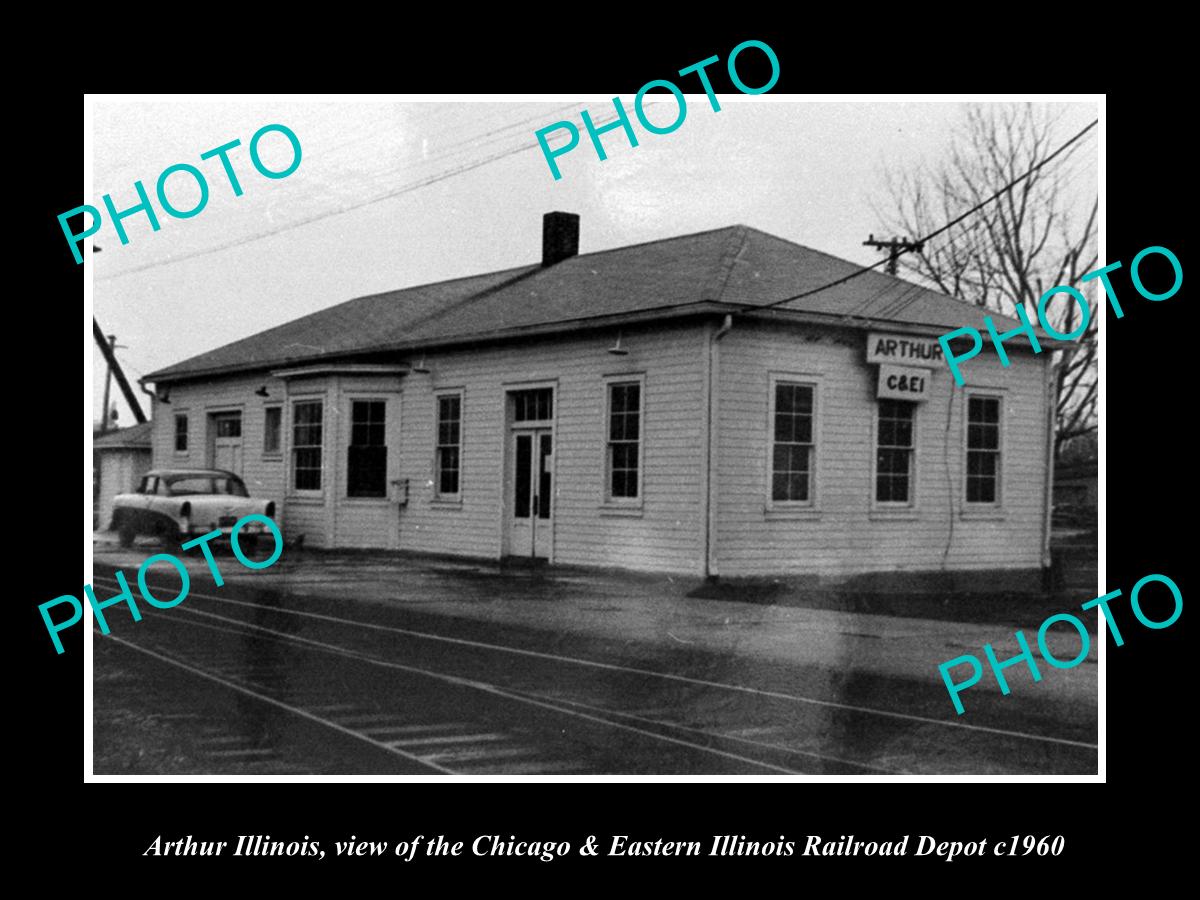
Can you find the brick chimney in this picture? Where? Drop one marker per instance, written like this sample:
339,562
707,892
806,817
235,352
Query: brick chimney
560,237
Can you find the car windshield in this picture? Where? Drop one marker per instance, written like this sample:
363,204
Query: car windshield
207,484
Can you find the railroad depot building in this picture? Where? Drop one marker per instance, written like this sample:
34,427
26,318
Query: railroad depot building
642,408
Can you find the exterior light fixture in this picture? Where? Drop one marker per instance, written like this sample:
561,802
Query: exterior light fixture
616,349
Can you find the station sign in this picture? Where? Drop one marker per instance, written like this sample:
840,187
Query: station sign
903,349
904,383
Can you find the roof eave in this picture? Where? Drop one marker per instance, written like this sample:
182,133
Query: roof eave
866,322
466,339
665,313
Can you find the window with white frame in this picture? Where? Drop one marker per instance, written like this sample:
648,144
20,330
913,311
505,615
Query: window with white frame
366,460
448,461
534,405
307,431
181,432
272,428
624,450
793,412
983,449
895,452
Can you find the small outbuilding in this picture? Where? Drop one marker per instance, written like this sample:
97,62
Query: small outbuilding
119,460
723,403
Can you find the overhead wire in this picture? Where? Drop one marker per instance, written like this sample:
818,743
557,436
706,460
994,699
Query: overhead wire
469,166
1067,179
404,189
479,139
933,234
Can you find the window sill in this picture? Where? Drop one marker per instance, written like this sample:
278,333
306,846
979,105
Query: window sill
273,457
446,503
632,512
983,515
884,514
783,513
354,501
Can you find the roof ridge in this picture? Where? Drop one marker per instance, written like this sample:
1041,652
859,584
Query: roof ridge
472,298
666,240
734,247
733,264
428,284
325,310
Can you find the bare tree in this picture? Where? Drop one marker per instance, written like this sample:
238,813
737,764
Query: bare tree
1033,237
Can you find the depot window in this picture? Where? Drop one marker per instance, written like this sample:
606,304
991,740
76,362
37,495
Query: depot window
367,462
181,433
448,461
536,405
624,450
307,422
895,451
272,422
793,444
983,449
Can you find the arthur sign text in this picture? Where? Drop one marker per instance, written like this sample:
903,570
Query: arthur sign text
903,349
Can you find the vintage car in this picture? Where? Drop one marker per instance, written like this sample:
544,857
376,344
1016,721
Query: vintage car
179,504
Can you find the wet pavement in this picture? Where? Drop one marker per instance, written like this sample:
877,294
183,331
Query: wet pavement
381,664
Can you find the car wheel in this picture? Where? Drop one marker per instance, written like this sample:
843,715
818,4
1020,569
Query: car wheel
126,533
168,534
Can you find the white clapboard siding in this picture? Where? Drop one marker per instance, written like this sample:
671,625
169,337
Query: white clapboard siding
845,535
665,534
371,523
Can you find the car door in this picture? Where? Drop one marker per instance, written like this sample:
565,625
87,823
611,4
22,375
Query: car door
158,505
142,499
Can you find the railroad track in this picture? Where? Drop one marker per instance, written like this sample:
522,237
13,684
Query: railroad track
504,727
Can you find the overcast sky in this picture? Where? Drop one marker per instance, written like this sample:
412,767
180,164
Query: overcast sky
803,171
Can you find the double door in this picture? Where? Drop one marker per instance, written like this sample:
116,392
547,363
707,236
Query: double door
531,523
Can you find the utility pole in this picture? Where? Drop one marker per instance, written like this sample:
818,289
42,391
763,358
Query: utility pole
894,247
107,347
114,368
112,346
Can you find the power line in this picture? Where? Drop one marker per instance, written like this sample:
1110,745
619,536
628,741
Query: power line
325,215
412,186
897,288
479,138
473,142
974,209
901,302
1084,131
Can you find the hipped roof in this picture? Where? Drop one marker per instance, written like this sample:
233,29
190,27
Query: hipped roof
714,271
